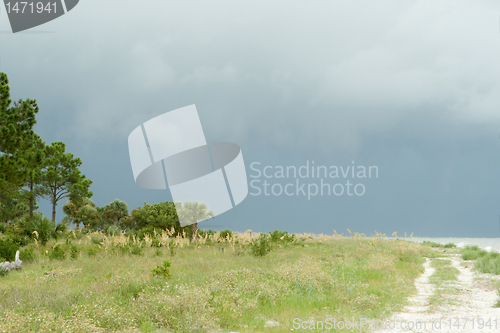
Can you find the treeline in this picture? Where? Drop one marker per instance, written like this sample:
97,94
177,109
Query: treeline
31,170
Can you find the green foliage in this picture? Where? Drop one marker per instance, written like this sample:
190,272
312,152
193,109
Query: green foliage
202,233
62,177
449,245
136,250
261,246
96,239
3,271
159,216
41,228
16,140
115,210
132,290
57,253
8,249
282,236
472,252
27,255
12,208
431,244
225,234
82,210
162,271
92,251
73,252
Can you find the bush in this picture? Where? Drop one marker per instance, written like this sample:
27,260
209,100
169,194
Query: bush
223,235
449,245
27,255
281,236
8,249
472,253
261,246
162,271
41,228
3,271
57,253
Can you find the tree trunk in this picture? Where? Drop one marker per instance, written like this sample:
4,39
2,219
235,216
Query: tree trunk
32,200
194,230
77,226
54,203
115,220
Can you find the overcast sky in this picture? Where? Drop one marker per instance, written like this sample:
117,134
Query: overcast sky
412,87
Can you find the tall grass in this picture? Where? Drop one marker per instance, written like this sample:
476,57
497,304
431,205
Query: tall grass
105,284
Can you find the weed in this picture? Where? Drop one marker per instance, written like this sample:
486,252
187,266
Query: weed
73,250
162,271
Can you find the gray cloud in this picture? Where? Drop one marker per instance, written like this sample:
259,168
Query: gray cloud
414,82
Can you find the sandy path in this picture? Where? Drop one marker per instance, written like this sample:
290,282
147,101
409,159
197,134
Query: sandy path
471,296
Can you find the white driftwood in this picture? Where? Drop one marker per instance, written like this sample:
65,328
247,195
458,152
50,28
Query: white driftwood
17,264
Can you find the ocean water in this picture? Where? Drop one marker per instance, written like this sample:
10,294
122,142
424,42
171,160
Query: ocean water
488,244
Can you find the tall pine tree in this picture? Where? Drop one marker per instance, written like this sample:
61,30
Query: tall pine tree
62,178
16,137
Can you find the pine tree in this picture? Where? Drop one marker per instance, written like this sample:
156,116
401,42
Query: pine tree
62,178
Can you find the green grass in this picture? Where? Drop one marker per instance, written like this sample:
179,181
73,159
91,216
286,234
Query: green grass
438,245
444,273
107,288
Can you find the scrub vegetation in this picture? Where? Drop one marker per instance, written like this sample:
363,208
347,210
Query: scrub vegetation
166,282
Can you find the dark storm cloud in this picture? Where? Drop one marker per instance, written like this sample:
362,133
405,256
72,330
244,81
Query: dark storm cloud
410,86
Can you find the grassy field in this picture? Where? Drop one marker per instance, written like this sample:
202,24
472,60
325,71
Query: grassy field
98,283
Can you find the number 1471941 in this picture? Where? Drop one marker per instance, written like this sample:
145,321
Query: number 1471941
31,7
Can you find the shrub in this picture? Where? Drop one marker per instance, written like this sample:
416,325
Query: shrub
281,236
449,245
223,235
472,253
261,246
2,228
41,228
162,271
27,255
8,249
57,253
3,271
